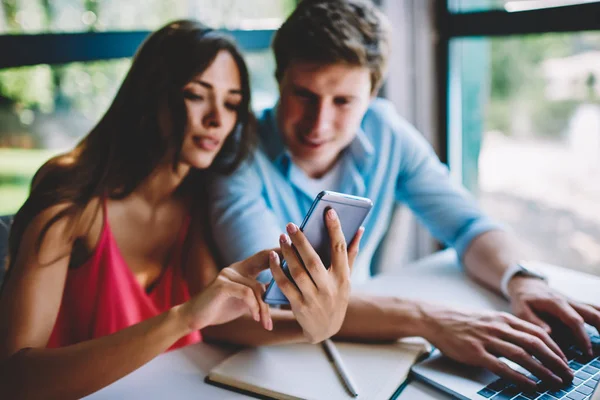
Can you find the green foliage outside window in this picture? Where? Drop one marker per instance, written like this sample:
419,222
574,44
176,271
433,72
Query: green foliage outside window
518,84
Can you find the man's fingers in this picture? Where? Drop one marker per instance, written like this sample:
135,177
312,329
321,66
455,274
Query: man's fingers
533,345
339,249
285,285
499,368
354,246
565,313
589,313
527,314
524,359
538,332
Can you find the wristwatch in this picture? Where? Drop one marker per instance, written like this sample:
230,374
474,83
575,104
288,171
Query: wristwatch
520,268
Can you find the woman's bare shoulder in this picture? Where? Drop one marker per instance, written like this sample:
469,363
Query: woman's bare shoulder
68,217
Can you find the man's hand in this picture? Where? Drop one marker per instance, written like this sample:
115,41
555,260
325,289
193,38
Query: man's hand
479,338
531,298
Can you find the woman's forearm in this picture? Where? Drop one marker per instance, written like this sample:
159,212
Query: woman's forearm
78,370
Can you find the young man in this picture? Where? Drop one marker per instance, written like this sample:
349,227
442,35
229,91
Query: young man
328,131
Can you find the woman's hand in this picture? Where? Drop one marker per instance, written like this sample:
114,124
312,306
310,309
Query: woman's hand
319,297
234,292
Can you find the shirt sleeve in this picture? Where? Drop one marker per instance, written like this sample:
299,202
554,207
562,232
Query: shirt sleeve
446,208
241,221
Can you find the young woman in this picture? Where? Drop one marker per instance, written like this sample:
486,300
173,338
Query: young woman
108,266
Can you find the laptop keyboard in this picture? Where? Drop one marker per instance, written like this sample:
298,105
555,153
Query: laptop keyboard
587,375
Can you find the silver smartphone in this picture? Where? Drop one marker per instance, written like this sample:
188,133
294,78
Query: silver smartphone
351,210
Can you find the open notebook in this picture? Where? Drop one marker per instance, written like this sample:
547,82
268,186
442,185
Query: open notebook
303,371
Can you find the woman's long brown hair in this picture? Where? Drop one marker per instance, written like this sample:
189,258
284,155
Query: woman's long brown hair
127,144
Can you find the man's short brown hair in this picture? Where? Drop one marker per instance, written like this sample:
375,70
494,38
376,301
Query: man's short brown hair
353,32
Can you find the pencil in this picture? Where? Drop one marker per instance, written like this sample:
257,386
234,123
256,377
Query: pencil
336,359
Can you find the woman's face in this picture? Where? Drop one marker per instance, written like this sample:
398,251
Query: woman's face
212,100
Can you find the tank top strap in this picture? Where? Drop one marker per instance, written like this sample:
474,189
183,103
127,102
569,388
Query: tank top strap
105,238
177,255
185,227
103,200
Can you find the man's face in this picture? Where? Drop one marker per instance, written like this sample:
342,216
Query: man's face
320,110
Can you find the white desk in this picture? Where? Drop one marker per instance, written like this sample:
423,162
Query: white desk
180,373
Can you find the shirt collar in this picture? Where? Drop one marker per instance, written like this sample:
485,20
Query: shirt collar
361,150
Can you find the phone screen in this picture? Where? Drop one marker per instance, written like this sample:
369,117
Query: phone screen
351,210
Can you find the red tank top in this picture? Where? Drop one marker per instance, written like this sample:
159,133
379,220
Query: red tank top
102,296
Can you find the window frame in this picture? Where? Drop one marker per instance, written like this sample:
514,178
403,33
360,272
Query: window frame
62,48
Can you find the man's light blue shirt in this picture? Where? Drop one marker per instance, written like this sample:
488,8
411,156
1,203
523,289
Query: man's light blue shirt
388,161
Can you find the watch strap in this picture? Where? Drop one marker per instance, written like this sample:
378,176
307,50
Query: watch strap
514,270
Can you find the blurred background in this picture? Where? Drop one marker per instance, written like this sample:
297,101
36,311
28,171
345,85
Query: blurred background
526,139
46,109
507,92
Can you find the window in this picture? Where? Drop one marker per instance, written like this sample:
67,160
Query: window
458,6
45,109
524,137
29,16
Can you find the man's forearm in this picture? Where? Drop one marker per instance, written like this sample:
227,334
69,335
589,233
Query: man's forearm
379,318
368,318
246,331
488,256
